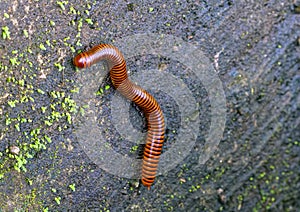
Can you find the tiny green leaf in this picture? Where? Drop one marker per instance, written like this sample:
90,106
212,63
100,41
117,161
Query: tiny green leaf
5,32
25,32
43,109
52,23
61,5
42,47
72,186
57,200
6,15
89,21
40,91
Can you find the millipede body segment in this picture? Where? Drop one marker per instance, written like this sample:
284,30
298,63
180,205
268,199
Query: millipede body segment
150,107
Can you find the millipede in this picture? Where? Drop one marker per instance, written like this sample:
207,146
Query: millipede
144,100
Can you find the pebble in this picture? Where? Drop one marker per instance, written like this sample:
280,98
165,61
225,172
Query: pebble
14,150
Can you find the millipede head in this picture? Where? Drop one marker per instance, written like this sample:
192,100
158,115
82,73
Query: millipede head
80,61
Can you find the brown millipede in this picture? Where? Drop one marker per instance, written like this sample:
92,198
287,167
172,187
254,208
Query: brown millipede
150,107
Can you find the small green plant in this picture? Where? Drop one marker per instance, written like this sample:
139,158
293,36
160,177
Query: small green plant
62,4
89,21
57,200
20,164
6,15
25,32
134,148
59,66
52,23
5,32
72,186
42,47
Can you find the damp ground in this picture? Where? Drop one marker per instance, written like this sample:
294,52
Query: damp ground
253,47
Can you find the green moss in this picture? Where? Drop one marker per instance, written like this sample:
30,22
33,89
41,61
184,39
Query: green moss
72,11
62,4
59,66
194,188
57,200
80,23
89,21
27,97
52,23
25,33
14,61
42,47
6,15
72,187
5,32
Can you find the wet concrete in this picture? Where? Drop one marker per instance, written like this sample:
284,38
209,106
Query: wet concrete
254,48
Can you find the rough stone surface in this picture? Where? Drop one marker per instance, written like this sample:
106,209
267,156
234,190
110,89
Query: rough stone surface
254,47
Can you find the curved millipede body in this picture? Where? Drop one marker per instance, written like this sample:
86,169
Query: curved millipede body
152,111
